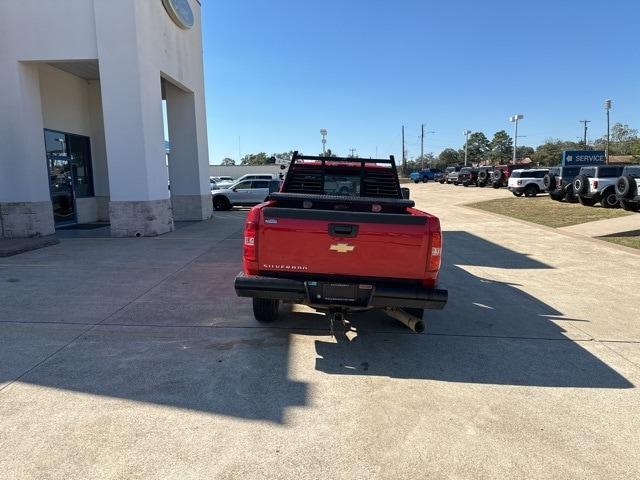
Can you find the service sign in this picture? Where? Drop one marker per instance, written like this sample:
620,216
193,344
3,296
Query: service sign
583,157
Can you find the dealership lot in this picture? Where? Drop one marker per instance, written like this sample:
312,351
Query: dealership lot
134,357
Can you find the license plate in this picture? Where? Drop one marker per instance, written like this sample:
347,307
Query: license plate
339,293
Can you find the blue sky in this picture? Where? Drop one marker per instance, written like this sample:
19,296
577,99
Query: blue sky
277,71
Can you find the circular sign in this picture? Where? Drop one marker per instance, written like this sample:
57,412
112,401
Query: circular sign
180,11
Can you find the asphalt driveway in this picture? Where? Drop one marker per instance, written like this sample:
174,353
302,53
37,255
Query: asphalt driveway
133,358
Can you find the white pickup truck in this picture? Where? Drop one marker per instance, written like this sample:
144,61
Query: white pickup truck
597,184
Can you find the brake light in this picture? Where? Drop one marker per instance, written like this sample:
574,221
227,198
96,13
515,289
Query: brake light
519,182
595,184
435,245
250,244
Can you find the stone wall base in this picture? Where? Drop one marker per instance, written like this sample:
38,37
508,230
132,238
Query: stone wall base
141,219
192,207
26,219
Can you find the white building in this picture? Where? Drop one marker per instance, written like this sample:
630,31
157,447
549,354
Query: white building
81,117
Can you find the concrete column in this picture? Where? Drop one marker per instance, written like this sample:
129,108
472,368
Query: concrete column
25,201
188,165
134,134
99,152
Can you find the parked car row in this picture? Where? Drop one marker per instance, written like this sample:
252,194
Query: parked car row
611,186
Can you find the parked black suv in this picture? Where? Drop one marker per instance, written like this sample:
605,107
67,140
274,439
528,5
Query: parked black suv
628,188
468,176
559,183
484,175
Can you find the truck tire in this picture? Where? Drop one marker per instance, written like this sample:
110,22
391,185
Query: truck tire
626,186
416,181
581,184
221,203
497,175
630,206
570,196
556,195
587,202
517,194
609,199
495,185
531,190
550,182
425,180
265,309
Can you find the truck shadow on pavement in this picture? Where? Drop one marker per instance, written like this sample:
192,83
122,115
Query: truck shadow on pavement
490,332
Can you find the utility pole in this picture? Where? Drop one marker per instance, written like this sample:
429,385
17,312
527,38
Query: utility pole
353,152
404,159
586,127
466,144
422,148
607,107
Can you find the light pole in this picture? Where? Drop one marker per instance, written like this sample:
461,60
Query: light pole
607,107
466,134
515,119
323,132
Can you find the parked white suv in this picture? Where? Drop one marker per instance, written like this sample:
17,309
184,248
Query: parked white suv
628,188
598,184
247,177
529,182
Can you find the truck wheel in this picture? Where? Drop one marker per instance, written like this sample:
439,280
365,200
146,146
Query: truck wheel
221,203
530,191
416,312
587,202
629,206
609,199
265,310
495,185
517,194
425,180
557,196
416,181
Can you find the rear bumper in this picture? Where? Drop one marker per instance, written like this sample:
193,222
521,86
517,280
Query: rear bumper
383,295
516,189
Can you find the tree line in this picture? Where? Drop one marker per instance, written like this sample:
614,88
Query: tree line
499,150
481,150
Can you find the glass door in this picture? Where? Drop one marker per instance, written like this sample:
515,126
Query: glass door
61,179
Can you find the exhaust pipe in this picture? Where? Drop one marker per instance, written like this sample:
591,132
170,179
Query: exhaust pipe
414,323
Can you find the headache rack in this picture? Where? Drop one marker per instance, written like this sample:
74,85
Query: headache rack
306,176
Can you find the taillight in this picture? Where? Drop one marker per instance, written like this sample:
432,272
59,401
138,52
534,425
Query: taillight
435,245
595,184
250,244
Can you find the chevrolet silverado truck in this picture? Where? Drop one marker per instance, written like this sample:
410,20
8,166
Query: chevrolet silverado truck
342,254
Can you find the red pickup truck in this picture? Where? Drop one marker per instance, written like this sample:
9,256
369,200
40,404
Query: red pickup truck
340,237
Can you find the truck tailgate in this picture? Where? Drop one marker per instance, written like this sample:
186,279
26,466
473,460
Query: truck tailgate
380,245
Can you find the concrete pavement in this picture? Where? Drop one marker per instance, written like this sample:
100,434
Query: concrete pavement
132,358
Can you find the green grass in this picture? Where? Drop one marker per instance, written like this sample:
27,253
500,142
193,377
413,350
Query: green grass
628,239
544,211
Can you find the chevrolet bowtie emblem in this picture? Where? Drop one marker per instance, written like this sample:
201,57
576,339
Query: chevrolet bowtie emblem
342,248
